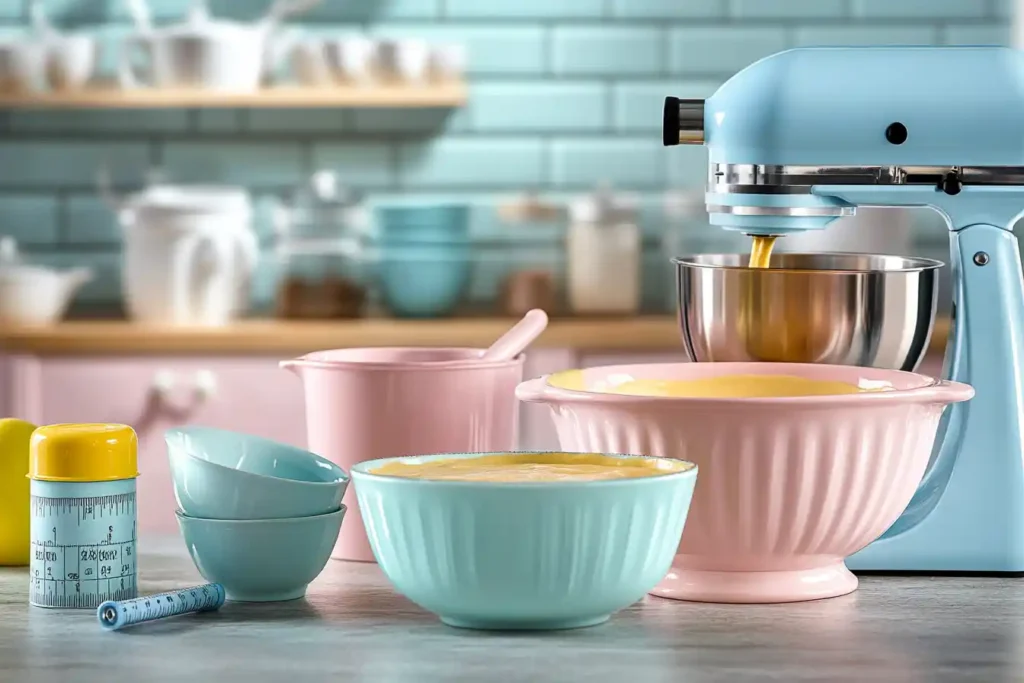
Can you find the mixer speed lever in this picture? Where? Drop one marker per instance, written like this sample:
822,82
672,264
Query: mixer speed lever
951,183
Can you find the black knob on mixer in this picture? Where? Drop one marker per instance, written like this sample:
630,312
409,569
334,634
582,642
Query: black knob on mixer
682,122
951,183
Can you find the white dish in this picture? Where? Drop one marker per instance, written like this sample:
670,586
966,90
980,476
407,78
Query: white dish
34,295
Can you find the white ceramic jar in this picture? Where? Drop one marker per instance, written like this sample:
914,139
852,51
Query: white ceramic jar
603,250
189,255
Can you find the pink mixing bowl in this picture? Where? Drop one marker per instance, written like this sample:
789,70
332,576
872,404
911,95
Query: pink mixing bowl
370,403
789,486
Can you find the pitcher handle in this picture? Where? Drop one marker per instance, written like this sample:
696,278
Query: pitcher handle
201,260
249,250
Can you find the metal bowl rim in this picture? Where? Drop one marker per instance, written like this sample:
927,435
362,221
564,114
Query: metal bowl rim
915,264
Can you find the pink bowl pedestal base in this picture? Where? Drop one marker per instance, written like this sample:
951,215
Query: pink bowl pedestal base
739,587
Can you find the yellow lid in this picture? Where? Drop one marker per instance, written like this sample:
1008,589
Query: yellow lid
83,452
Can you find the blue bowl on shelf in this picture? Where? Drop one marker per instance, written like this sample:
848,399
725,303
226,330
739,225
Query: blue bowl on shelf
423,223
424,280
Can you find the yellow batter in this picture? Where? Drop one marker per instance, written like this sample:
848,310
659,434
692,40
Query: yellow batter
761,251
534,467
738,386
724,386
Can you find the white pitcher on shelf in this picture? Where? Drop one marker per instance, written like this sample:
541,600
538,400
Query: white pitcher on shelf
189,252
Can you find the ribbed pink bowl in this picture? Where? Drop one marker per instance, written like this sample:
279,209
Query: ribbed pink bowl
789,486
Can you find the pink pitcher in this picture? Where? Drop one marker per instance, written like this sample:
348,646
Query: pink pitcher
363,404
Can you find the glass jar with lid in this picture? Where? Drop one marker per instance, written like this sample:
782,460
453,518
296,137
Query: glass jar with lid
604,253
322,260
528,256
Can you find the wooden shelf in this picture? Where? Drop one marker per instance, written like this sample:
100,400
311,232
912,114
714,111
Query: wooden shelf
441,95
641,334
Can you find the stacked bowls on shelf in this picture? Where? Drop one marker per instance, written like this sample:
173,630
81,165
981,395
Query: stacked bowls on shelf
257,516
424,256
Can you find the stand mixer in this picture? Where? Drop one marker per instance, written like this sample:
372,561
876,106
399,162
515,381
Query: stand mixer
805,136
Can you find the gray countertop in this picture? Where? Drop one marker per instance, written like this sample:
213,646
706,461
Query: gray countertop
353,627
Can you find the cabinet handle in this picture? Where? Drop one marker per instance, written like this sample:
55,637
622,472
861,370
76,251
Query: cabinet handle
205,384
163,383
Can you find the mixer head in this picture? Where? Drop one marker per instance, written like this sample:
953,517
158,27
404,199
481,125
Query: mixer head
785,129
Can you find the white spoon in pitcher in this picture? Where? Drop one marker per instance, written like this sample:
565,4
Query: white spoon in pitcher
517,339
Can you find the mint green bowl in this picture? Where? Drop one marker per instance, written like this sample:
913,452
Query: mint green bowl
523,556
261,560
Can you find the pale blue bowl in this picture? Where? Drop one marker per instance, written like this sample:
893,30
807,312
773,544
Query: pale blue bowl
423,222
261,560
219,474
420,280
523,556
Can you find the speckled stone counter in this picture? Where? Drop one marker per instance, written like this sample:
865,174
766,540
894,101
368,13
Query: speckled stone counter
353,627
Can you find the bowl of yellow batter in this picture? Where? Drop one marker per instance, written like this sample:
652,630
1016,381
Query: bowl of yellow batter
524,541
801,464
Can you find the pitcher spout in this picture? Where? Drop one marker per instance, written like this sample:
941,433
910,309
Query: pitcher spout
75,279
293,366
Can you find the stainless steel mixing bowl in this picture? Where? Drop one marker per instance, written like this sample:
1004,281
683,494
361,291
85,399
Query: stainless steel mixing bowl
843,309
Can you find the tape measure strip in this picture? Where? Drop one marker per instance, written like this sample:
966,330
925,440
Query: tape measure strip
82,546
115,615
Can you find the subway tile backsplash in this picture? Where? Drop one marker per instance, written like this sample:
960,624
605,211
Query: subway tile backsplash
563,94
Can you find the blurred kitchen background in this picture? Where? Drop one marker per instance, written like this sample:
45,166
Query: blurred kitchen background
337,165
417,158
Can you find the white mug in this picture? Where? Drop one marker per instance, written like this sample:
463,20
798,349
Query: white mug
310,63
22,65
353,58
406,60
70,61
447,62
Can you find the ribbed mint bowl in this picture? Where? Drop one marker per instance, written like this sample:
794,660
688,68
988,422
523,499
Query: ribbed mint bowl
522,556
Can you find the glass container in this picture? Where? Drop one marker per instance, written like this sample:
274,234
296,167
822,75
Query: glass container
323,264
604,253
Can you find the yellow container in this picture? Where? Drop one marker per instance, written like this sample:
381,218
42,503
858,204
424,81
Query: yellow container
15,436
82,515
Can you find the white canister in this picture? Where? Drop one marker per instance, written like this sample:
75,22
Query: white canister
603,250
189,255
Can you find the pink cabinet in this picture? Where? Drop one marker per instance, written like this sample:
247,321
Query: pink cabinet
246,394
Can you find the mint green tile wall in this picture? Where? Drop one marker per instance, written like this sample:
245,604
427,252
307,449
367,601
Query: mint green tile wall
564,94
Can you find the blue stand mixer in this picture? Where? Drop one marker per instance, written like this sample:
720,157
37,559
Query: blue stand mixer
805,136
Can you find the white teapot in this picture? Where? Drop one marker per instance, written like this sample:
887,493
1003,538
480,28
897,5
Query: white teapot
203,52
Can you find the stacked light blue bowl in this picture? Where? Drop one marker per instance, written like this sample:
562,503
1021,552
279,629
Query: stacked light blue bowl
258,517
425,258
